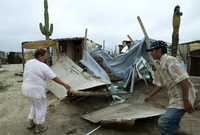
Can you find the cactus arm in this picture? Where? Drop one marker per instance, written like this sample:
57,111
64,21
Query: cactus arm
42,29
51,29
46,30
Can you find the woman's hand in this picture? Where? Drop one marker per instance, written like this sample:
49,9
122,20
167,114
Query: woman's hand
67,87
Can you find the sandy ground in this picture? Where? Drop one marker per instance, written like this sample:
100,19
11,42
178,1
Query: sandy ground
64,118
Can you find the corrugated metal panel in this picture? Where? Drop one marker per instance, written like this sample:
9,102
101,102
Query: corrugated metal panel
72,74
123,112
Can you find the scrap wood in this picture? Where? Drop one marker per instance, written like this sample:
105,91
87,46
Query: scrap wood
89,93
130,38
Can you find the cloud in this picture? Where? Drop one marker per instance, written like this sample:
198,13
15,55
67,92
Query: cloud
108,20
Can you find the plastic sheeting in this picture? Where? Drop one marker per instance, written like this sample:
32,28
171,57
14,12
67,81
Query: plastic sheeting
120,66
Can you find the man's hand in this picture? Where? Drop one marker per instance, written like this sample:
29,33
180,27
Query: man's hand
147,99
187,106
153,93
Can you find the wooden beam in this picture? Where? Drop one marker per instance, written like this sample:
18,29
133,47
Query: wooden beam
85,39
147,41
89,93
23,59
38,44
130,38
144,32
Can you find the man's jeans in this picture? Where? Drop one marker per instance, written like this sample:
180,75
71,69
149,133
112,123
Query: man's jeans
169,122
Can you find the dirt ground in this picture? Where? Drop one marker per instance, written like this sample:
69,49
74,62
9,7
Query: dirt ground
64,117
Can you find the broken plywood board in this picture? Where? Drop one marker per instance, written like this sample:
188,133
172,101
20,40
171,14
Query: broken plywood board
123,113
73,75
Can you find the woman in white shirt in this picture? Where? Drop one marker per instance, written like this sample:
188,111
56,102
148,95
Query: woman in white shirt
36,73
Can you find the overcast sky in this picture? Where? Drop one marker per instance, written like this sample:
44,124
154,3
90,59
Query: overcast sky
109,20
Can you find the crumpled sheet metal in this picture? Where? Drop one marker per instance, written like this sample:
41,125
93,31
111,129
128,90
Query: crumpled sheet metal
119,67
123,112
73,75
94,67
122,65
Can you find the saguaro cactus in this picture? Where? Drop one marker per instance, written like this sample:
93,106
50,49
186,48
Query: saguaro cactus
45,29
176,25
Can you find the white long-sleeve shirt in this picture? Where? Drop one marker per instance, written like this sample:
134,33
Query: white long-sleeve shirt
35,75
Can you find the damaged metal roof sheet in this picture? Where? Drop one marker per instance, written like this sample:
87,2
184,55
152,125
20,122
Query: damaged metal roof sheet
123,112
73,75
121,67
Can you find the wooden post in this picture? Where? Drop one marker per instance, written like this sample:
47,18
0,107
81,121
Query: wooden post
188,59
148,44
129,37
132,80
89,93
144,31
23,59
103,45
85,39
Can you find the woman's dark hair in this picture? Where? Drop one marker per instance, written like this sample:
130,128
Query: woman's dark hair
39,52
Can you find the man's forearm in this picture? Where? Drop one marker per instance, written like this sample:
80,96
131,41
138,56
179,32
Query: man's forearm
185,85
185,88
154,92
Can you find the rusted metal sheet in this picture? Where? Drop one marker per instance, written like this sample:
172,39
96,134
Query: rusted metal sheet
73,75
122,113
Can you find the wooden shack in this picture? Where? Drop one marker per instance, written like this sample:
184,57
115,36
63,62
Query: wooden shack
71,47
190,53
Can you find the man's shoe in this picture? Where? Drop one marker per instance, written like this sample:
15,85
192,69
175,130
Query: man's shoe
40,128
31,125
